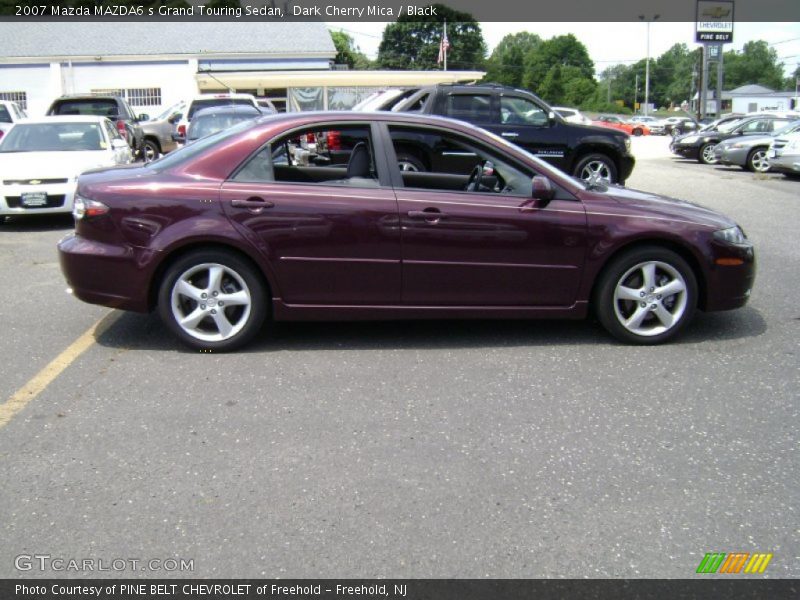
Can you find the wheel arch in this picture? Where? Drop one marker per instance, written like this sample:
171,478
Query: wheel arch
177,252
670,244
587,148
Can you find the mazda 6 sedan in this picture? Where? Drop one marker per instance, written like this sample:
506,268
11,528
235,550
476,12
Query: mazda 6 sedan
257,222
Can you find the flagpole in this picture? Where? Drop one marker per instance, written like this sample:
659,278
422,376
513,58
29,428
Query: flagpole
445,43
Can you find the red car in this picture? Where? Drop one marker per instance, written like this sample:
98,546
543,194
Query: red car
257,222
636,129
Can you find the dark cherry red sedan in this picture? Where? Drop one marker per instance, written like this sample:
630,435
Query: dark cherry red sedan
311,216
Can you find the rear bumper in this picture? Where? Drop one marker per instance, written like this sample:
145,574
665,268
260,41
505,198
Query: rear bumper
109,275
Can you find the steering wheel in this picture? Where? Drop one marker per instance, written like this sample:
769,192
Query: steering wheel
474,182
485,178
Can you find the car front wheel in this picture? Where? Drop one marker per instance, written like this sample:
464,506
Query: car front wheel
706,154
757,161
646,296
596,165
212,300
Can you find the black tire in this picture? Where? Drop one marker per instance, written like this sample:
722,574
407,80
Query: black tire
625,269
586,161
703,154
755,159
637,132
408,162
150,150
246,324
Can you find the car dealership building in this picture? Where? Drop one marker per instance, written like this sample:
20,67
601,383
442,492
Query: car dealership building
156,64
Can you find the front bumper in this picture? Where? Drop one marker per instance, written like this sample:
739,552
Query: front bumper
685,150
626,164
729,284
107,274
59,198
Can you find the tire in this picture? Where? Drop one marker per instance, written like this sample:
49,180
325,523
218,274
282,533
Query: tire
592,162
618,301
150,150
637,132
757,160
213,329
706,154
409,162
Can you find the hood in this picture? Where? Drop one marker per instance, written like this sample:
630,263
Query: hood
50,165
669,208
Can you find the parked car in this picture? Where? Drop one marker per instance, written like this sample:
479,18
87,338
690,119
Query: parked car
636,129
217,118
784,155
673,126
750,152
207,101
158,132
572,115
384,99
700,145
10,113
40,160
516,238
114,108
647,120
266,106
527,121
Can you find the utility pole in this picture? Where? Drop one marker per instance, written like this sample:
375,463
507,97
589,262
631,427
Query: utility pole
703,80
719,80
636,92
647,64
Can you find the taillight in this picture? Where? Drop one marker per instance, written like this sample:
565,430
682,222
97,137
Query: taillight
122,130
182,130
334,139
83,208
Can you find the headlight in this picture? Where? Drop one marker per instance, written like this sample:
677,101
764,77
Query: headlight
689,140
732,235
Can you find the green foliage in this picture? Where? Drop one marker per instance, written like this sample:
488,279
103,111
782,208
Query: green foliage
348,53
563,50
506,65
756,63
413,42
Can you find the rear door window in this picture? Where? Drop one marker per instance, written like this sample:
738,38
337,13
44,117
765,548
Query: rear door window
473,108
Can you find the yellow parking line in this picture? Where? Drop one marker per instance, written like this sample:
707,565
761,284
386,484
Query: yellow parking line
37,384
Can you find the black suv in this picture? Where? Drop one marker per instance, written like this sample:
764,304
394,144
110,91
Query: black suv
526,120
114,108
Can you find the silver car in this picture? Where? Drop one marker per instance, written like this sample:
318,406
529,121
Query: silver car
750,152
158,132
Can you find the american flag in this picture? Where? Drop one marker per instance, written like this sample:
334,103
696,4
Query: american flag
444,46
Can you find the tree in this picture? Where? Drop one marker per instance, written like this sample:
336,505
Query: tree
413,42
756,63
791,82
348,53
564,50
506,65
578,89
552,90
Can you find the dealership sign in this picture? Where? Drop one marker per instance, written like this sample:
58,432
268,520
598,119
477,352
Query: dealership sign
714,21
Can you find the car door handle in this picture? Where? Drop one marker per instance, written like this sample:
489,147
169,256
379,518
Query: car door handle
429,214
254,202
509,134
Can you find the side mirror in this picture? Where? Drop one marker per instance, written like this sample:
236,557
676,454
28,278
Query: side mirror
542,189
144,117
551,117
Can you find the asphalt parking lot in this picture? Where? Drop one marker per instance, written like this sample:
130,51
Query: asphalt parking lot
421,449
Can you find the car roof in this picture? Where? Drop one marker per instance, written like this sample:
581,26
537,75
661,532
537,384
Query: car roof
221,95
227,109
63,119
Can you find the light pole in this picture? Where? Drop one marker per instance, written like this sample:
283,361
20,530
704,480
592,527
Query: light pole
647,64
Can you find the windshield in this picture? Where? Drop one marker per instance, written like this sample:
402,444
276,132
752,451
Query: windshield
207,124
54,137
175,108
729,126
181,155
209,102
790,128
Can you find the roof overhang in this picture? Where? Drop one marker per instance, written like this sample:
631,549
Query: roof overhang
282,79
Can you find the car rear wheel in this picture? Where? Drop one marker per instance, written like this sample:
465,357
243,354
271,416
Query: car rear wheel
637,132
757,160
596,165
706,154
646,296
150,150
212,300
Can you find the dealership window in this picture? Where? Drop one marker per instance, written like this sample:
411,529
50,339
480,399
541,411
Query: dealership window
334,155
21,98
135,96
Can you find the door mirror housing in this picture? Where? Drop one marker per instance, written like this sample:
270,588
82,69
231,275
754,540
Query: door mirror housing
542,189
551,117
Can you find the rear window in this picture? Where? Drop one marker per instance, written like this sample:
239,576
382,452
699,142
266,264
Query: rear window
205,125
99,108
209,102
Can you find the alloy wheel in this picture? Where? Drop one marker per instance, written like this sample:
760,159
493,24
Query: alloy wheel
596,170
650,298
759,161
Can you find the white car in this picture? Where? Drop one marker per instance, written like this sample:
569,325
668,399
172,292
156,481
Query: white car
40,160
572,115
207,101
10,113
784,155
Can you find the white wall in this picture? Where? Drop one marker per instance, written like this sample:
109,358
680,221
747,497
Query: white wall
743,104
41,83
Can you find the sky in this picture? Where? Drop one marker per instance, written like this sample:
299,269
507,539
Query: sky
615,43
